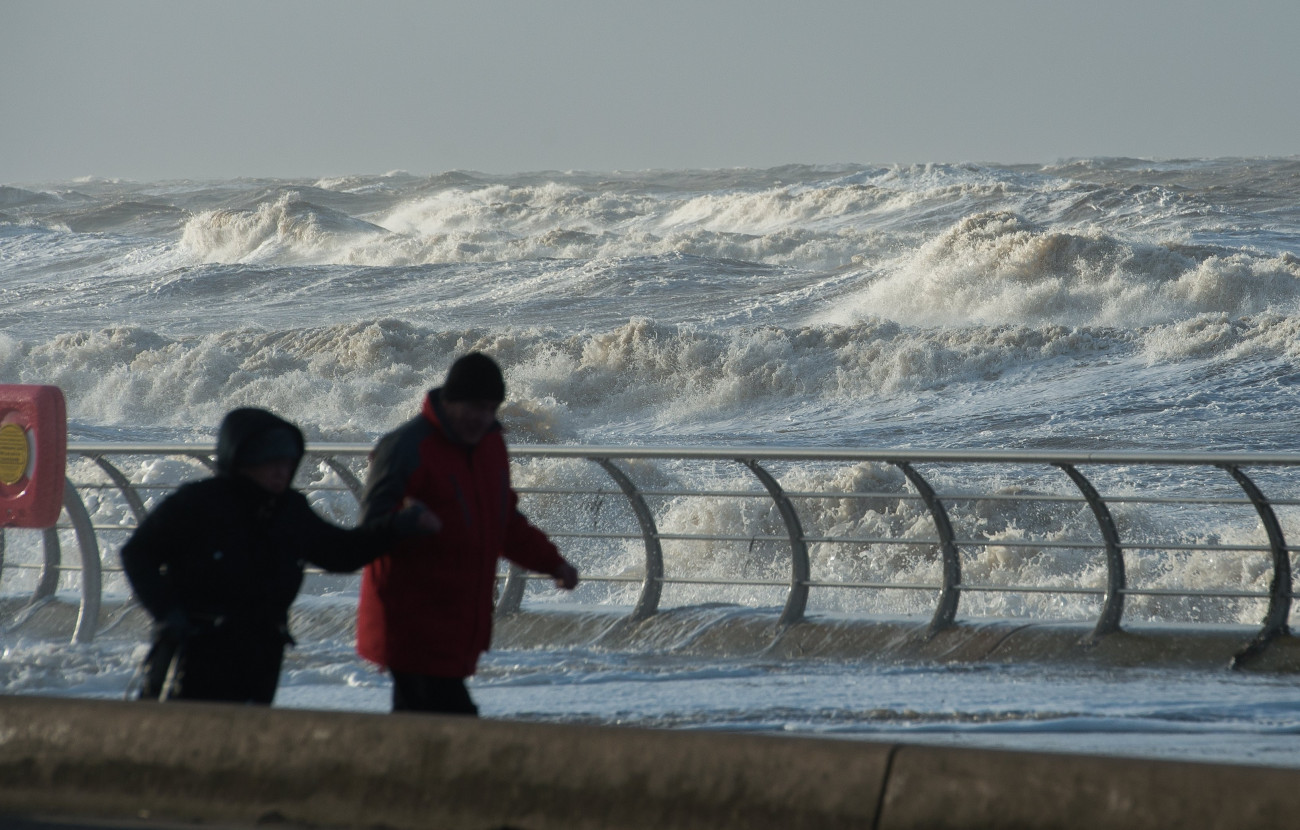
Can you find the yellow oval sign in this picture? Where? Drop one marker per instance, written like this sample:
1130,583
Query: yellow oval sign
14,453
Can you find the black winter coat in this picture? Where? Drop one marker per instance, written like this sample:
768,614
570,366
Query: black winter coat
227,553
218,563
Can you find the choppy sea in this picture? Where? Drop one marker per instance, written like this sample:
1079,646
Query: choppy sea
1107,304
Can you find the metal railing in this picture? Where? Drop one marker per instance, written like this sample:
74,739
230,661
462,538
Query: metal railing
950,510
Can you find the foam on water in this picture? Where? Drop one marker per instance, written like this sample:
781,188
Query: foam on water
997,268
1099,304
744,298
873,381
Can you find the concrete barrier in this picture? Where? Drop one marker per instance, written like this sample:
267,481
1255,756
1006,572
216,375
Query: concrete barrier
213,763
937,788
231,763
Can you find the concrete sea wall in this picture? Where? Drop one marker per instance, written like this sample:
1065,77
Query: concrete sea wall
245,767
737,631
251,766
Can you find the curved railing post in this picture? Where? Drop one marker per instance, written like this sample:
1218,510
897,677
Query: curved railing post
512,593
1279,603
1112,604
800,570
138,510
648,603
91,573
207,459
124,486
48,582
348,477
945,611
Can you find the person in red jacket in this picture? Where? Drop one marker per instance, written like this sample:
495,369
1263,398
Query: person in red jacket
427,618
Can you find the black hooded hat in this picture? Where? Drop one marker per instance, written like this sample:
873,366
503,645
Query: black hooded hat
249,436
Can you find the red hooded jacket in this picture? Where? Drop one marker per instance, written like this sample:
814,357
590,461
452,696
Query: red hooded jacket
426,606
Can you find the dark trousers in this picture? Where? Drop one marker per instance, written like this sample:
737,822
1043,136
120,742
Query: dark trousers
422,693
216,667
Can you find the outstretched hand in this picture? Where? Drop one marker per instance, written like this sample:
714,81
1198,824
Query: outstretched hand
566,577
426,521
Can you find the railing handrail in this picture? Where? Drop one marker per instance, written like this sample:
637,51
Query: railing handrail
945,541
770,453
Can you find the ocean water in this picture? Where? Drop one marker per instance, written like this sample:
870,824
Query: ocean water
1104,304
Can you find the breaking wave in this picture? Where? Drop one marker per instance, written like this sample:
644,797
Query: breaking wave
999,268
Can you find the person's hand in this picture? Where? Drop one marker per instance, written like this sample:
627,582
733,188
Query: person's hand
424,519
429,522
566,577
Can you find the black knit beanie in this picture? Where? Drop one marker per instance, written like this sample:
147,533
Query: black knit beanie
474,377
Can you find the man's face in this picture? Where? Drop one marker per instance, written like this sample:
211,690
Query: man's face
471,420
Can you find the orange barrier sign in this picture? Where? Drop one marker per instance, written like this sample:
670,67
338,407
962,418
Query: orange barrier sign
33,454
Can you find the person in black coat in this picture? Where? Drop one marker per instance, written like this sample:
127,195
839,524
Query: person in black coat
218,563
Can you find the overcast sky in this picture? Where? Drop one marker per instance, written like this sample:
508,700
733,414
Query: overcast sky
176,89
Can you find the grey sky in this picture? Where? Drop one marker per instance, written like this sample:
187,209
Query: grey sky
170,88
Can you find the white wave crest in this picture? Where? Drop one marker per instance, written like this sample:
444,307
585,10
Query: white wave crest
351,381
998,268
285,230
1221,336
